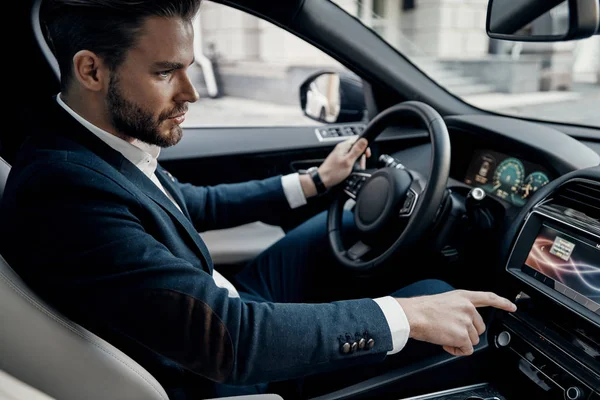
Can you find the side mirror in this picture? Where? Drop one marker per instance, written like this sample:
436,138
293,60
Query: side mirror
332,97
542,20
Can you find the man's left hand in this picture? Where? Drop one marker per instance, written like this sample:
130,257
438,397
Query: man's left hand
338,164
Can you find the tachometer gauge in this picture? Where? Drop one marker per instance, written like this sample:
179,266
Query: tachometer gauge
508,178
532,183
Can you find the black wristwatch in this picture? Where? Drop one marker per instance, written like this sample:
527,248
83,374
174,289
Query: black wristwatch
314,174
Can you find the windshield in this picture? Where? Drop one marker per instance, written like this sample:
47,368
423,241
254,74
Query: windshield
447,40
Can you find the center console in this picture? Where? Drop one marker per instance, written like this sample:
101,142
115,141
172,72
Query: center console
553,341
550,347
545,353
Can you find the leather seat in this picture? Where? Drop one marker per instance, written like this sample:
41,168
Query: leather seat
45,350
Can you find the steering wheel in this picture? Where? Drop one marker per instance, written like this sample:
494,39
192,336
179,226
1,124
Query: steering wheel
391,201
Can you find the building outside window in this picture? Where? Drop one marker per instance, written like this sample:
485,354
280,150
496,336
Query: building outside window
260,66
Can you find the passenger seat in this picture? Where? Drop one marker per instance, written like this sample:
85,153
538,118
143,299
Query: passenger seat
48,352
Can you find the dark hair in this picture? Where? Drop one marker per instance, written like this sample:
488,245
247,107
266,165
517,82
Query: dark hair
108,28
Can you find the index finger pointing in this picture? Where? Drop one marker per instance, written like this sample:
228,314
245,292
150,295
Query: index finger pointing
489,299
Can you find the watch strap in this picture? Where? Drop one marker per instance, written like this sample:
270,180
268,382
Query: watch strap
314,174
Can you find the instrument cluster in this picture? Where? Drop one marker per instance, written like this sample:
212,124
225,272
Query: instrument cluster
506,177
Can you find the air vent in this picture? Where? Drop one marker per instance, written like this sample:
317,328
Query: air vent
582,197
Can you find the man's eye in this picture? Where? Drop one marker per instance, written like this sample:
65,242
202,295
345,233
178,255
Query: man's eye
164,74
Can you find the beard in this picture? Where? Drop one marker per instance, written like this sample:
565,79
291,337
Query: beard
133,121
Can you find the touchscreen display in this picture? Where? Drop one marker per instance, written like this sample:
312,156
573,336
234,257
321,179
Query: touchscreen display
567,263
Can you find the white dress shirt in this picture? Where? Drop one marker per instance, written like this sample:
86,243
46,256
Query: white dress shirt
145,157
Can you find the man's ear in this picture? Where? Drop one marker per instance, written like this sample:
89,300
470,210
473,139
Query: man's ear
89,70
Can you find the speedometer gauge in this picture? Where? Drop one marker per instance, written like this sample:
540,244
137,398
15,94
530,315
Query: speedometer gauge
508,178
532,183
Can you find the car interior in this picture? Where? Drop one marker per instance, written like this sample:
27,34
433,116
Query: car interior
459,218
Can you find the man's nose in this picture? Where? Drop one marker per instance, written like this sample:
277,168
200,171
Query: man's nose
188,92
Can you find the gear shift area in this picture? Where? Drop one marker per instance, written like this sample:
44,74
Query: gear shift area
483,391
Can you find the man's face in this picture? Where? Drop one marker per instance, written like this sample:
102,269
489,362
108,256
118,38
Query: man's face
148,94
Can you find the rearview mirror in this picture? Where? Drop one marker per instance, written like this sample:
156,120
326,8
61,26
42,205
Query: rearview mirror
542,20
332,97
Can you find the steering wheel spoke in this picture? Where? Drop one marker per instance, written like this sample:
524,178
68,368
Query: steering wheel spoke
355,182
358,251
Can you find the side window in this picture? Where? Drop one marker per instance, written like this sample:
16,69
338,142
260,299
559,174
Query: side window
249,72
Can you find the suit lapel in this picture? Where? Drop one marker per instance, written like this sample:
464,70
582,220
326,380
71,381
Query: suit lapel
167,183
73,130
167,180
150,189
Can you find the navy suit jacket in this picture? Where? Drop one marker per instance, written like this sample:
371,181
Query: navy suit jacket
98,240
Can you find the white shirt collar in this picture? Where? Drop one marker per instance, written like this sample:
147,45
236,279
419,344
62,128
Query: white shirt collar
142,155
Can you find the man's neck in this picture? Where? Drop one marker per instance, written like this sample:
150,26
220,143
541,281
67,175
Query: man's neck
92,113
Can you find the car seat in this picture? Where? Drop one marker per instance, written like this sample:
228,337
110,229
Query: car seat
45,350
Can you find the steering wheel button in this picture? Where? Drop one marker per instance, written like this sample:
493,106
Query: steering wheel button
408,203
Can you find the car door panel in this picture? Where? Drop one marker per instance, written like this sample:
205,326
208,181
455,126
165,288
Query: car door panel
209,156
240,244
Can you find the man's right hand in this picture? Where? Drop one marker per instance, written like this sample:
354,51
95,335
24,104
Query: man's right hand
451,319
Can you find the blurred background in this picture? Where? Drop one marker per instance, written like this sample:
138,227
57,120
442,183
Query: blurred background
249,71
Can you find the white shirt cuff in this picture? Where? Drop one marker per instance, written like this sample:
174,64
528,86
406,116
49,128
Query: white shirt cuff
222,282
293,190
397,321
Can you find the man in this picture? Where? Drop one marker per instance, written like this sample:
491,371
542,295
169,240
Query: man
115,236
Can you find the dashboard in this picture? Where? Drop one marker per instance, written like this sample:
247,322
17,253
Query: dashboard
505,177
548,259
